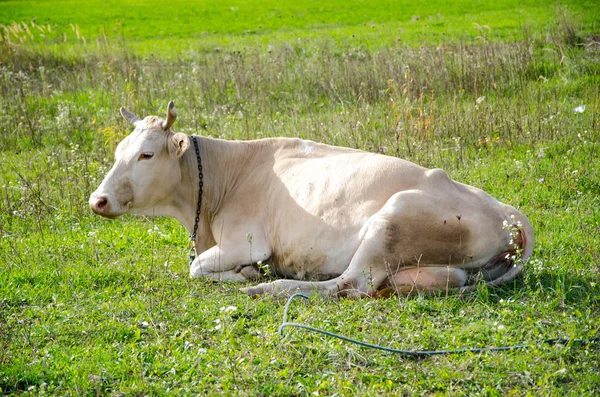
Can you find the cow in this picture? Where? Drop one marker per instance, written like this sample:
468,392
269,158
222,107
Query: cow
322,219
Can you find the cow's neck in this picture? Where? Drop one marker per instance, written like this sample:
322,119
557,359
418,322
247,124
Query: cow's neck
224,163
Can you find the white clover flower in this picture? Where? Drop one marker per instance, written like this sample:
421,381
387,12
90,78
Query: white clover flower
541,154
518,164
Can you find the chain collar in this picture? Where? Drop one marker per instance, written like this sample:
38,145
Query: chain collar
200,185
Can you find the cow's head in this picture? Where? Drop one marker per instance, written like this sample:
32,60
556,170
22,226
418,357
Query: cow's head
146,168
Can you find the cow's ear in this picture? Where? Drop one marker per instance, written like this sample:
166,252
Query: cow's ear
127,115
178,144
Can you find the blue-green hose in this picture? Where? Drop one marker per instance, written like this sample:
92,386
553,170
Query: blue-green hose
420,353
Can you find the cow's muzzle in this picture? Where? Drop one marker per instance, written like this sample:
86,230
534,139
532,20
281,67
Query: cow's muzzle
101,206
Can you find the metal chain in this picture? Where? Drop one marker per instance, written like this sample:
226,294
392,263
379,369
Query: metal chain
200,185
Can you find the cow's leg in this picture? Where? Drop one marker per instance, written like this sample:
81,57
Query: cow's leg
362,277
427,279
239,274
230,262
365,273
287,287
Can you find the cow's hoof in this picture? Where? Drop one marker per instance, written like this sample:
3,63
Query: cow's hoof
251,273
253,291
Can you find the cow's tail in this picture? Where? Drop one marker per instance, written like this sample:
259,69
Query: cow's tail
524,242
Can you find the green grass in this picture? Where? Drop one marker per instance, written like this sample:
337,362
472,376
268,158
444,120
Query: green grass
96,307
168,29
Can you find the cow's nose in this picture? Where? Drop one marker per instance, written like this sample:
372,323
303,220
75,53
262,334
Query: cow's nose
99,204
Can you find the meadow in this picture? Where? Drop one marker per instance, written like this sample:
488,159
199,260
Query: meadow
504,96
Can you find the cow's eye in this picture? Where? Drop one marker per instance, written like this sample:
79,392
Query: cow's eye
146,156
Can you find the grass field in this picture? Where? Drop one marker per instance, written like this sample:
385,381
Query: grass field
178,27
503,95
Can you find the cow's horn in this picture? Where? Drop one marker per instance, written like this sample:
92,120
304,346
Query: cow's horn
127,115
171,116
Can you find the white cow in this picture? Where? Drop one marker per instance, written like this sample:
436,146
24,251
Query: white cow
327,219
